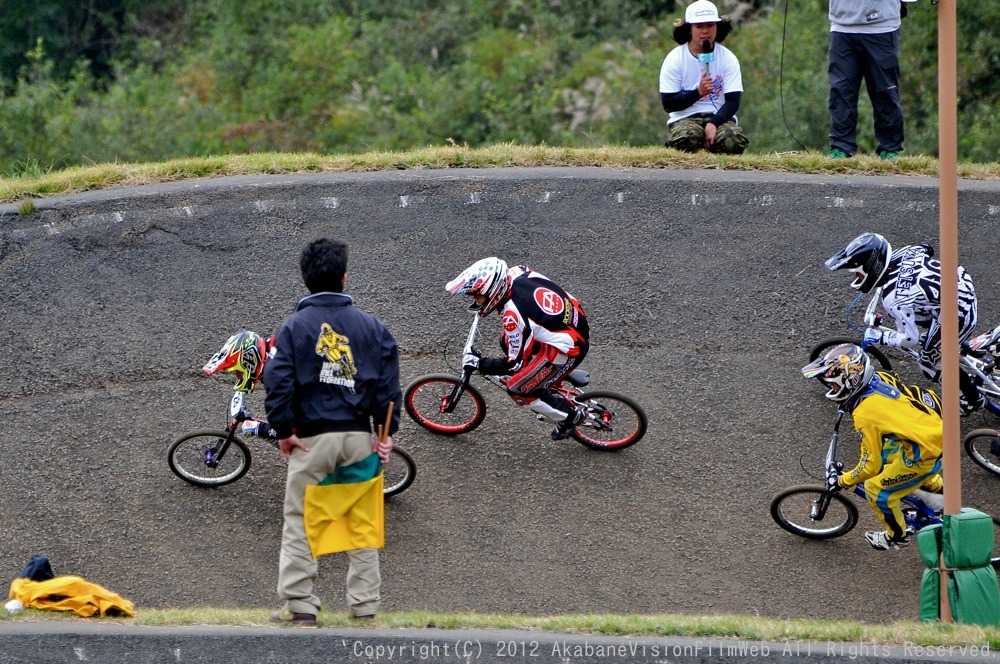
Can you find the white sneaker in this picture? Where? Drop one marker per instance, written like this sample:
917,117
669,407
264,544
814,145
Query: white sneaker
881,541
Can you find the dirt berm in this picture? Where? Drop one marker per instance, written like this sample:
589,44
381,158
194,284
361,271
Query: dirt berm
704,289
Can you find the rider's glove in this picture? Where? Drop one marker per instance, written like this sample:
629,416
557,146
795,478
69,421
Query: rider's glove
250,428
470,362
872,337
833,480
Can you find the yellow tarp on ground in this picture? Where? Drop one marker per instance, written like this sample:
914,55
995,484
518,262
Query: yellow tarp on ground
70,593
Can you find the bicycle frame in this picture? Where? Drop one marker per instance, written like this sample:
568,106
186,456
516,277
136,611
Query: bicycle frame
451,401
974,357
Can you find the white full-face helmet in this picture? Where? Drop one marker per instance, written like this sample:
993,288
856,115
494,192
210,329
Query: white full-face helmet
845,369
488,277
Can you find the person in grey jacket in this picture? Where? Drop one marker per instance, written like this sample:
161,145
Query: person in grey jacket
864,45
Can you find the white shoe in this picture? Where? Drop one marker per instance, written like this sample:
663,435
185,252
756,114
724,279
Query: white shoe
881,541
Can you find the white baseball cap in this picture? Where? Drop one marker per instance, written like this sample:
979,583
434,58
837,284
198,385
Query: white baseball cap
701,11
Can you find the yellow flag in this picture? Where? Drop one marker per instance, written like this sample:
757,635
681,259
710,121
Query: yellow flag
344,516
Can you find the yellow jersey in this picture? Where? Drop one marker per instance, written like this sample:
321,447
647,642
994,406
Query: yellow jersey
894,420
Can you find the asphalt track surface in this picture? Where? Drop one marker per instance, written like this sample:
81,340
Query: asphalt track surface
704,289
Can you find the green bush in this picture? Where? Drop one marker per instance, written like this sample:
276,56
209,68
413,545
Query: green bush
200,77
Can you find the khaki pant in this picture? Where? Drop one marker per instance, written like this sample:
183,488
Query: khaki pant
297,569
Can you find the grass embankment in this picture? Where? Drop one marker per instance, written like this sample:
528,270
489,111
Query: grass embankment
102,176
749,628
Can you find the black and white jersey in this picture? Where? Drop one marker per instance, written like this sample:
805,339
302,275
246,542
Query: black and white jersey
911,294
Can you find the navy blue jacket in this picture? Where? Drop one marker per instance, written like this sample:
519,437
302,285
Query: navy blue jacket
335,368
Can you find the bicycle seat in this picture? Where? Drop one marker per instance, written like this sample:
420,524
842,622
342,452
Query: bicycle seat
974,352
578,377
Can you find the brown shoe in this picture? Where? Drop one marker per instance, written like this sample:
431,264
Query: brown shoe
369,617
293,618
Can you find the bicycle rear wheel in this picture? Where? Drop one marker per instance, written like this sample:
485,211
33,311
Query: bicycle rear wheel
880,359
792,509
423,400
192,457
398,472
983,446
613,422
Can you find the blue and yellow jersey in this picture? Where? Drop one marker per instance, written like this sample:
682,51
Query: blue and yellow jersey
894,420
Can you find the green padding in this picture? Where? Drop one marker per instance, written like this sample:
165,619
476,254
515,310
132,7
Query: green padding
929,542
967,541
930,595
972,593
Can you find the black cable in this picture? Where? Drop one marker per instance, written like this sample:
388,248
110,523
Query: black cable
781,79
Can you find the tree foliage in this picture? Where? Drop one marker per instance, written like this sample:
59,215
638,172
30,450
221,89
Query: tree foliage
122,80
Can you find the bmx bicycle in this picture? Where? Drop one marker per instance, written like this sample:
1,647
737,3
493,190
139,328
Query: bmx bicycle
822,512
976,355
449,405
213,458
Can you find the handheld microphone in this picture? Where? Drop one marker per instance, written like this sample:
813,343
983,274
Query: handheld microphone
707,55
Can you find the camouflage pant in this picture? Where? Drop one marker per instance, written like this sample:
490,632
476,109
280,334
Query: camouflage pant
688,135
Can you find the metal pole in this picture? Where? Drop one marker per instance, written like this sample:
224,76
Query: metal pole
948,180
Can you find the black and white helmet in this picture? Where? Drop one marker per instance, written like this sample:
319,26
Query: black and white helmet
867,256
846,369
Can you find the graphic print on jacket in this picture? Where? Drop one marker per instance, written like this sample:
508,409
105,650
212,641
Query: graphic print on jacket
338,366
911,294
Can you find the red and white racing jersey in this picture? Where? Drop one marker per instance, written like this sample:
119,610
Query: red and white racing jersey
540,313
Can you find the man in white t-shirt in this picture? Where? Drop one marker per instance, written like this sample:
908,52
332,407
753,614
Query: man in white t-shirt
701,85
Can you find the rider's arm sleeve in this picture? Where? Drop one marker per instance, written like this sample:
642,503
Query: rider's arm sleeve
906,334
870,463
494,366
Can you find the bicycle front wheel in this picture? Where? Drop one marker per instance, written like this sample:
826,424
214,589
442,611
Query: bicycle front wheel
193,458
983,445
613,422
398,472
424,401
883,362
792,510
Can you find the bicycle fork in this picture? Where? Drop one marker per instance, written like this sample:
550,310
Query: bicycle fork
214,455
